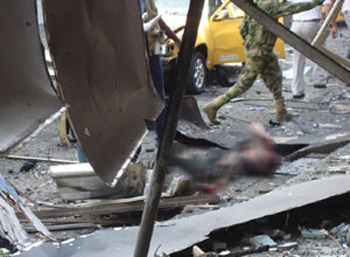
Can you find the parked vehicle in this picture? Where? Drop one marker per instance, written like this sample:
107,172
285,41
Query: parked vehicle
218,41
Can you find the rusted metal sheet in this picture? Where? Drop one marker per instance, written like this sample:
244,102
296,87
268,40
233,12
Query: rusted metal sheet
176,235
27,96
99,55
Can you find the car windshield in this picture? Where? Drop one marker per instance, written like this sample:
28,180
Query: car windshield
178,7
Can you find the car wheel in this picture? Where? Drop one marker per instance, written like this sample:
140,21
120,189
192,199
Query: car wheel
197,78
224,79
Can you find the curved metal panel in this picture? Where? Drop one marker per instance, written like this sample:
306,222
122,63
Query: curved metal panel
99,54
27,98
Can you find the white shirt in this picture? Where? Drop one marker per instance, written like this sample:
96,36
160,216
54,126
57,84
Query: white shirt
313,14
346,6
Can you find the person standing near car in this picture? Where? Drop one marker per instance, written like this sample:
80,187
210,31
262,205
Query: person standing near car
306,25
155,38
260,59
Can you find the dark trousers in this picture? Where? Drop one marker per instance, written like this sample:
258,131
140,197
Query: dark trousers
158,80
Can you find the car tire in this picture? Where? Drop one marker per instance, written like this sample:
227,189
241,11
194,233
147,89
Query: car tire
223,78
197,77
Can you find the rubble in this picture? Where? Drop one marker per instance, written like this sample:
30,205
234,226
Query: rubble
94,215
12,233
262,240
329,144
176,235
314,233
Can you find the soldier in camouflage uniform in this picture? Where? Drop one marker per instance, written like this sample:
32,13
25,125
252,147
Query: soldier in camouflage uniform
260,59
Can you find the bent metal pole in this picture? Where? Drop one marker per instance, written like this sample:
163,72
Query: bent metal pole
178,88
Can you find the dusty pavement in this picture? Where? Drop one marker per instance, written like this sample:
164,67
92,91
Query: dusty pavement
321,112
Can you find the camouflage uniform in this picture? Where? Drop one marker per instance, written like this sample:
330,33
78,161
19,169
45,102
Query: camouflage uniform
260,59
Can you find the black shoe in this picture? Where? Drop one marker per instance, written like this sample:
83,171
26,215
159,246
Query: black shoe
299,96
320,85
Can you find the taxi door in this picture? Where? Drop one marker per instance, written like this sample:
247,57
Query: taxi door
224,26
228,43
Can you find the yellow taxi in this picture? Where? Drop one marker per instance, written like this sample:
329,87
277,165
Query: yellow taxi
218,41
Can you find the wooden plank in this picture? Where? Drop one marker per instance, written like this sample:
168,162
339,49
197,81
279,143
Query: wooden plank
295,41
339,59
20,157
119,208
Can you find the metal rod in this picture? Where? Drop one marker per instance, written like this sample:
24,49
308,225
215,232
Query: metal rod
293,40
321,36
19,157
178,89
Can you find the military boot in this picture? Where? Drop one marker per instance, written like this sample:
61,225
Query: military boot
211,109
281,112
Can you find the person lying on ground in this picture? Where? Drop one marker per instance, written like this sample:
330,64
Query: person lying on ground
255,156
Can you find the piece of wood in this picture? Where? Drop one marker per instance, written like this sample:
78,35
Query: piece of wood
31,229
293,40
339,59
178,88
323,33
119,208
20,157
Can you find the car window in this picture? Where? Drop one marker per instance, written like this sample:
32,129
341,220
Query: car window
214,5
229,11
234,11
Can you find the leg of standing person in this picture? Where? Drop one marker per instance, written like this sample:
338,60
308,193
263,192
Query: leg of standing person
298,83
158,80
347,21
272,76
157,77
319,75
246,79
